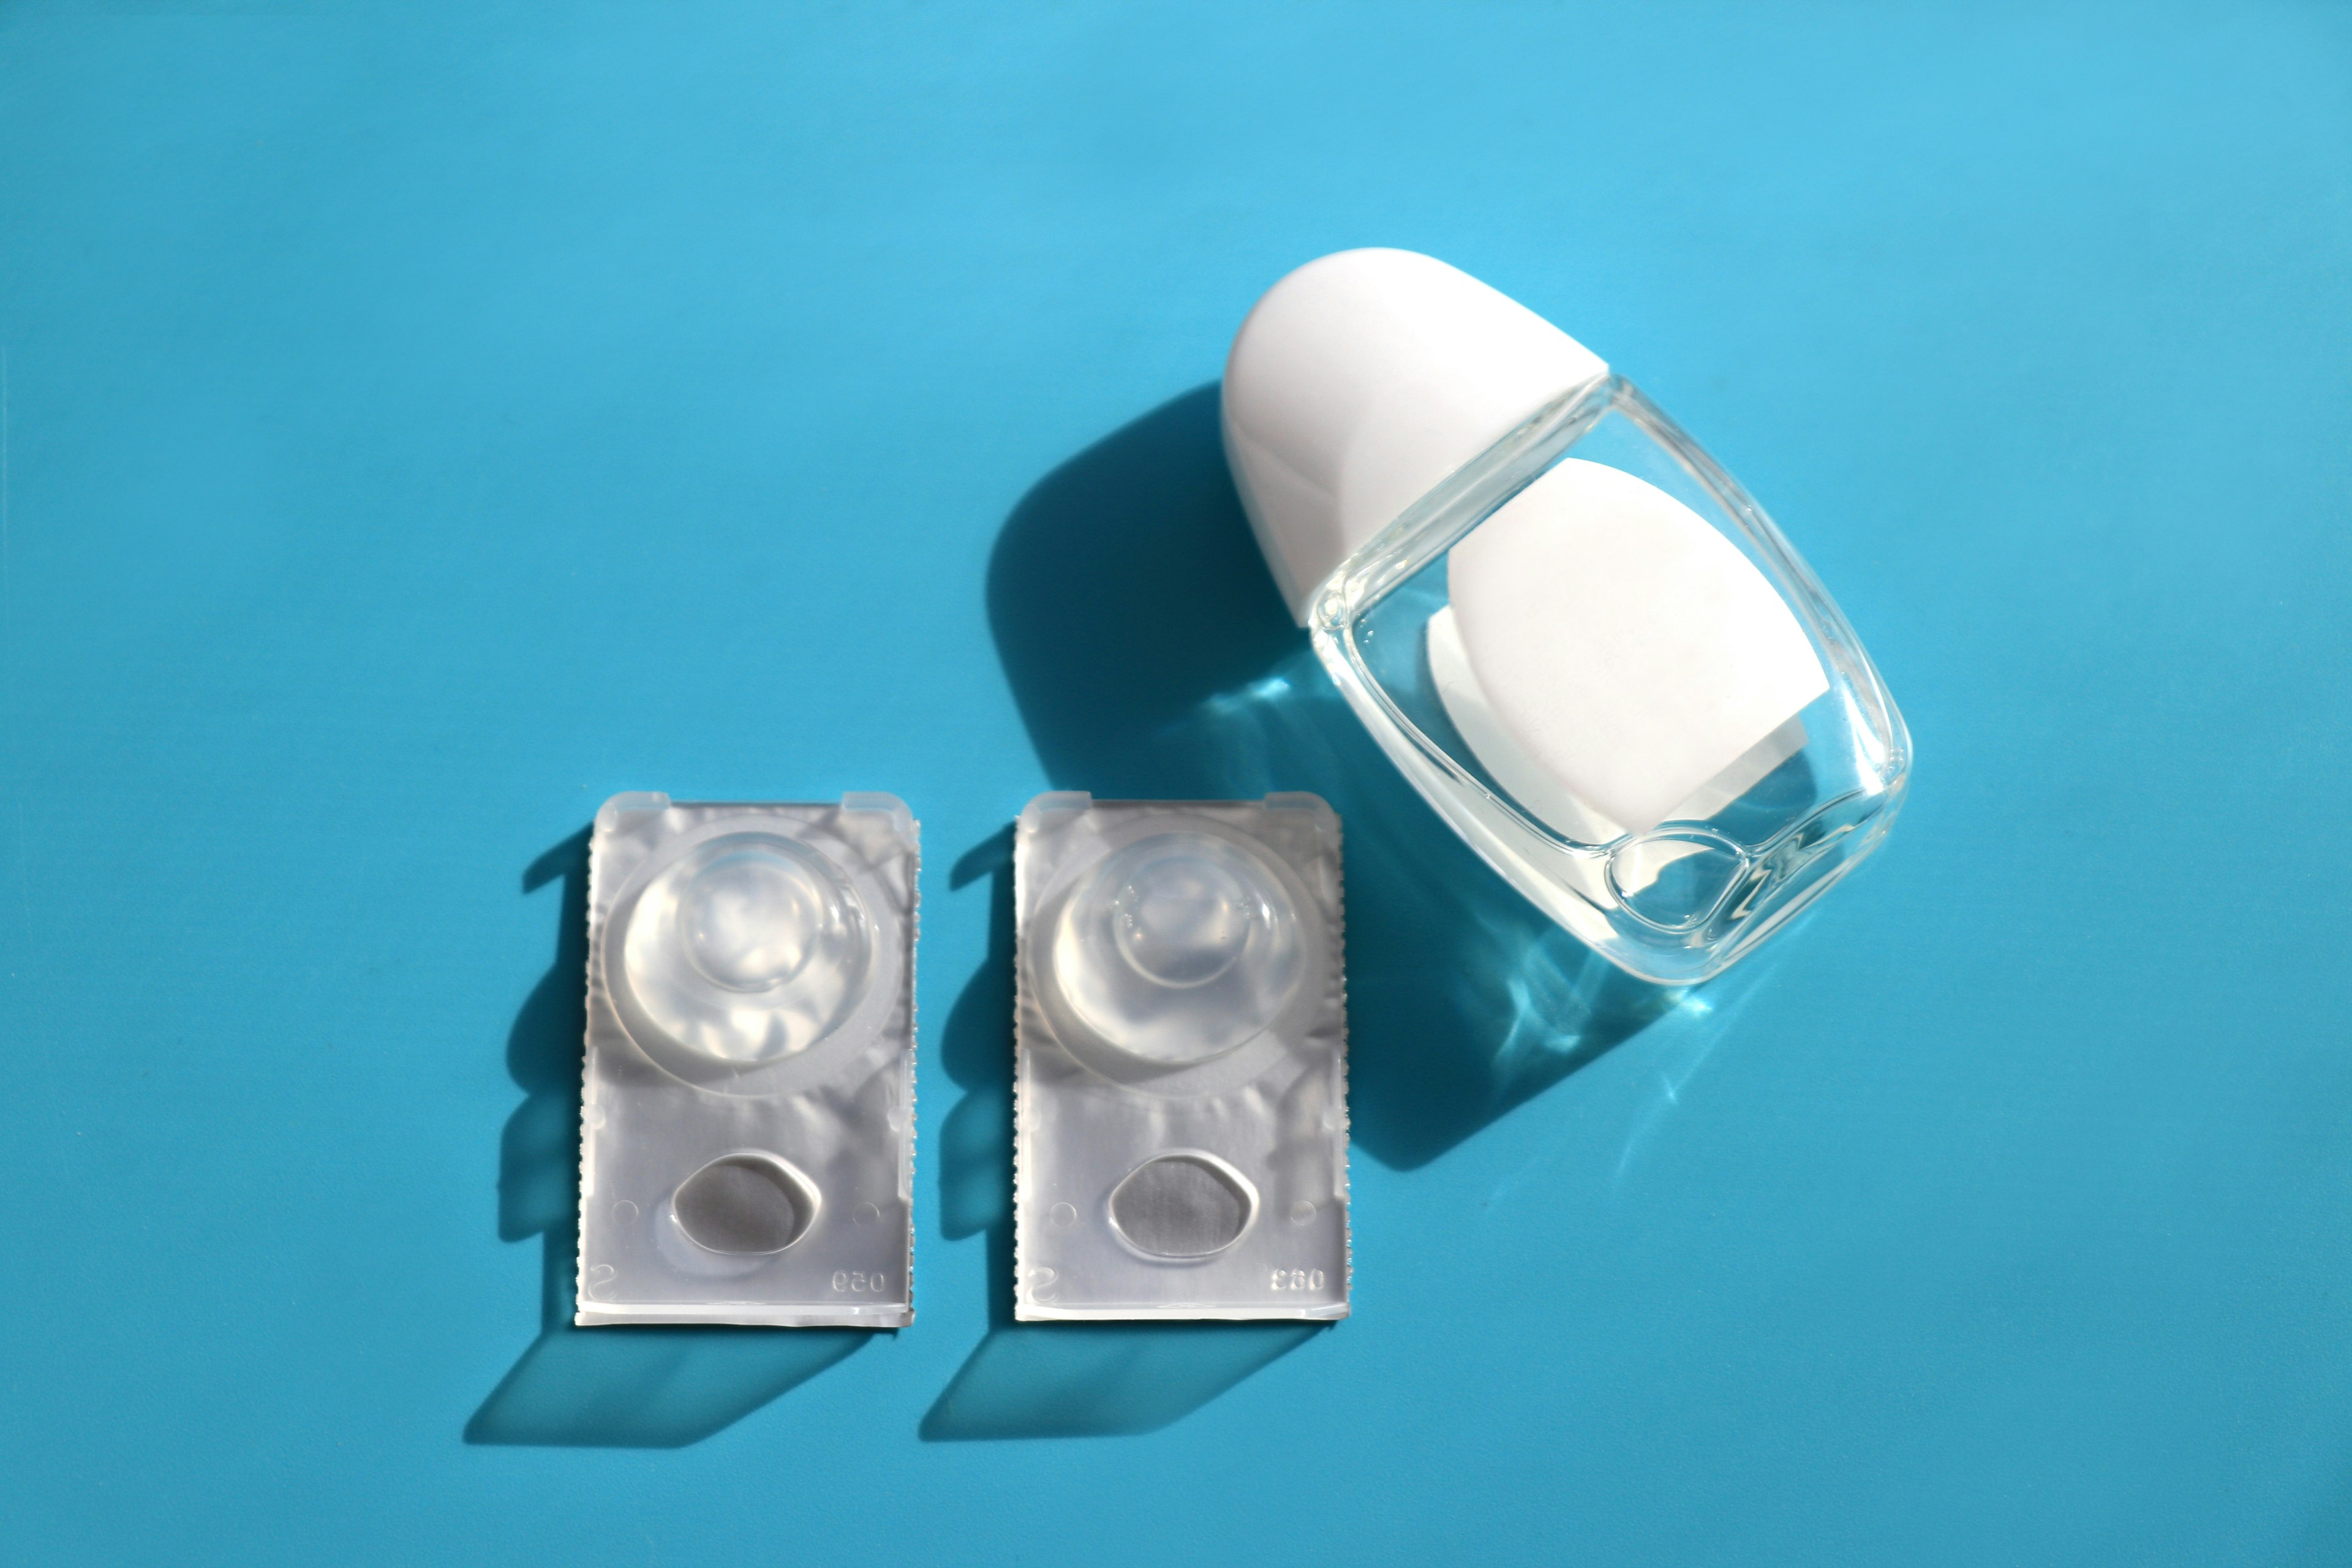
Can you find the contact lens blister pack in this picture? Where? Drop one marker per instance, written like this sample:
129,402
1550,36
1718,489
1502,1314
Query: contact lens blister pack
747,1116
1180,1111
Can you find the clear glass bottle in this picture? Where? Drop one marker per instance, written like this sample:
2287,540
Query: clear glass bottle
1584,643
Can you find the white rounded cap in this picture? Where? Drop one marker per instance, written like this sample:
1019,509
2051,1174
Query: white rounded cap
1361,380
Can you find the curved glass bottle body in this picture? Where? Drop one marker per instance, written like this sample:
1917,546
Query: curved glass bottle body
1679,901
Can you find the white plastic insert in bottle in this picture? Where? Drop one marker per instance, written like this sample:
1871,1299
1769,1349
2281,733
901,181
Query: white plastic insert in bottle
1576,634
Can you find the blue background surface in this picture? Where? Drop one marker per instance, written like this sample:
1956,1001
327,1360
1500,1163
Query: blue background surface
425,420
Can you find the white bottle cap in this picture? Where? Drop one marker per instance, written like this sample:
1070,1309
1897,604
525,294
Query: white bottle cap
1361,380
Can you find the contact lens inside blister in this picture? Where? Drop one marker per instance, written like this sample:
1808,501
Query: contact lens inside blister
1178,948
748,948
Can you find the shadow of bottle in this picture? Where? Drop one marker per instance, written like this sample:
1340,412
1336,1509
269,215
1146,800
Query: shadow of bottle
629,1388
1151,658
1050,1380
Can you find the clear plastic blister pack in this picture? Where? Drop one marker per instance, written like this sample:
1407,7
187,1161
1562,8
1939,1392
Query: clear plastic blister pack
1180,1113
747,1118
